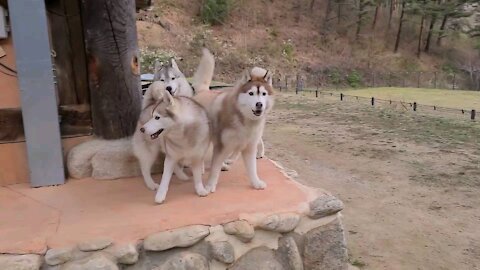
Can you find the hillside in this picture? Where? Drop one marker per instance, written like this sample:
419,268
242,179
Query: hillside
292,36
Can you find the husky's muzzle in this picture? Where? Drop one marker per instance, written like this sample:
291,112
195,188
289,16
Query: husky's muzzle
156,134
258,109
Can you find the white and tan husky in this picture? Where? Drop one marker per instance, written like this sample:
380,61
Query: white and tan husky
147,145
185,130
238,118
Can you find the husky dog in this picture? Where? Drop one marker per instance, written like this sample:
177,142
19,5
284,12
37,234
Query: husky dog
146,147
238,118
186,133
171,79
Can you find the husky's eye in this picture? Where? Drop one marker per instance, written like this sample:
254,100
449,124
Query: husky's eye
264,93
157,117
251,93
173,78
162,80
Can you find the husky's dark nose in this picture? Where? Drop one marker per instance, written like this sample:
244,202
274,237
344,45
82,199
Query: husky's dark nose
142,130
259,105
169,89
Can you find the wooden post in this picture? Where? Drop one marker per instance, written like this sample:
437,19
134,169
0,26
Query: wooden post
414,106
341,96
373,101
113,69
316,93
472,114
453,83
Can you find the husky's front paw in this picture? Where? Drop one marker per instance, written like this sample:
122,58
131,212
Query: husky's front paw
201,191
160,197
210,188
152,186
225,167
259,184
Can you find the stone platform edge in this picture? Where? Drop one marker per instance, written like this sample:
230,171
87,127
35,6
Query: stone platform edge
313,239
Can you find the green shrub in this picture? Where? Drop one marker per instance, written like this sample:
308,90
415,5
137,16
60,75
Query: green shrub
215,12
354,79
288,50
335,77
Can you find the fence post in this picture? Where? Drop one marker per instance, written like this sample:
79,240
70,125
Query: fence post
341,96
435,80
316,93
472,114
453,83
434,108
414,106
373,101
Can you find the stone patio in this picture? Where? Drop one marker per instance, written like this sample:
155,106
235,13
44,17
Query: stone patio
122,213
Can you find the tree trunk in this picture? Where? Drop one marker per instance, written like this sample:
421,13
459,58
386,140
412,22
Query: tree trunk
430,32
113,71
359,22
442,29
420,35
339,11
374,23
390,14
327,12
399,32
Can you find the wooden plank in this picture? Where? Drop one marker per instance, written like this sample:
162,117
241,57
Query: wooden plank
75,120
39,111
113,71
60,43
77,44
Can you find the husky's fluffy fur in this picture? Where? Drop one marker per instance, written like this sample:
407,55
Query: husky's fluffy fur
238,119
167,78
182,130
185,130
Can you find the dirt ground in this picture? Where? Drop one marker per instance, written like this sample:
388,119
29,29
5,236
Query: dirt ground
410,181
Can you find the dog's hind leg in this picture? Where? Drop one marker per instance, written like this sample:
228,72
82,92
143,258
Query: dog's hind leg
260,149
217,162
178,170
250,161
197,178
168,167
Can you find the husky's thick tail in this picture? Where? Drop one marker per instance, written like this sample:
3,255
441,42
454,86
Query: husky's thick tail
204,74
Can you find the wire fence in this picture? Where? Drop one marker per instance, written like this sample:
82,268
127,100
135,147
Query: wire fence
373,101
418,79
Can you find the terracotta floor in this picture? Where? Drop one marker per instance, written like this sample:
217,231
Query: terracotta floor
124,210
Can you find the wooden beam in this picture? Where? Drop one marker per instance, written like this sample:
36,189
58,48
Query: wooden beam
35,76
113,70
75,120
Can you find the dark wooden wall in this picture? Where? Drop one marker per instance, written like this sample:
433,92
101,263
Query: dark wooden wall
69,58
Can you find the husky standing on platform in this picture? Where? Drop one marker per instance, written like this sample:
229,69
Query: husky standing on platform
146,147
238,118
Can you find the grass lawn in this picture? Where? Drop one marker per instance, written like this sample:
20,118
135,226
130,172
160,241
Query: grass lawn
444,98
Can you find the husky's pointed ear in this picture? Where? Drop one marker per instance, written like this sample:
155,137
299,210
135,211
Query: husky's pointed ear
268,77
168,98
246,77
158,66
174,65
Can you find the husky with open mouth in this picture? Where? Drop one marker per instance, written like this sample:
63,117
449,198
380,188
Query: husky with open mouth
173,125
238,118
186,132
